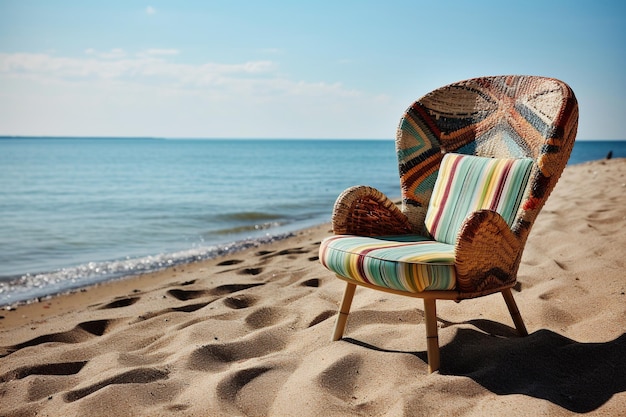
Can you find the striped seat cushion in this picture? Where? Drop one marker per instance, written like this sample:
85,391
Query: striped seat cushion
405,263
468,183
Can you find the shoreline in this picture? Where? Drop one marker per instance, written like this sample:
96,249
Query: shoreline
124,286
159,262
249,333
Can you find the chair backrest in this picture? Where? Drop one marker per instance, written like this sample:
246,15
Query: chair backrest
499,117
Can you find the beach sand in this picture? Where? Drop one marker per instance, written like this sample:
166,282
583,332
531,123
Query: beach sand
249,334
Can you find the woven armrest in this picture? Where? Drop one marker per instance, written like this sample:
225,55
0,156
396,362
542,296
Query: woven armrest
487,253
365,211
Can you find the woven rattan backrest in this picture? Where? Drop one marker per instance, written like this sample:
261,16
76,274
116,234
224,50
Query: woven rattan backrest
501,116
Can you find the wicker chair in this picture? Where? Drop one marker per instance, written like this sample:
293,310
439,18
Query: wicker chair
507,119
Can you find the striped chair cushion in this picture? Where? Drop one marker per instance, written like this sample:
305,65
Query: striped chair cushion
406,263
468,183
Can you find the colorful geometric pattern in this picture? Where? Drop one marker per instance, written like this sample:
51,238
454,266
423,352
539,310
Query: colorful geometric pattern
468,183
498,117
407,263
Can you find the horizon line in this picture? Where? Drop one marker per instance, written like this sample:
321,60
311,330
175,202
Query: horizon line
225,138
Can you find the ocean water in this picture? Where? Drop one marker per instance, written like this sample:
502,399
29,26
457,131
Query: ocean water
77,211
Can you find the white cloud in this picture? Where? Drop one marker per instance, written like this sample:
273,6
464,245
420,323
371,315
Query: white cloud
143,68
114,53
118,93
150,10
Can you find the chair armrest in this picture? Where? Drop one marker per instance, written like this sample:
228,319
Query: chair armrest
487,253
365,211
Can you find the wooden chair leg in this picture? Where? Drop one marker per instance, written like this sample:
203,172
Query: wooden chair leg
515,314
344,310
432,339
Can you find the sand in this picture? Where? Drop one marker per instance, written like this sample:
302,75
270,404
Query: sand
249,334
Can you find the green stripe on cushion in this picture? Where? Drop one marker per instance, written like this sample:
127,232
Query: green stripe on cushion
468,183
406,263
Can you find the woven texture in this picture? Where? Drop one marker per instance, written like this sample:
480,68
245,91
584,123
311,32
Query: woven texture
406,263
365,211
497,117
468,183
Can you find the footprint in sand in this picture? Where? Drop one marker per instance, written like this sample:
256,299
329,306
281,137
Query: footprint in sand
235,302
313,282
231,288
119,303
185,295
190,308
285,252
250,271
293,251
135,376
80,333
230,262
63,368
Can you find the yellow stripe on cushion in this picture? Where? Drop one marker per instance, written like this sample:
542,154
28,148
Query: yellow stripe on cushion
468,183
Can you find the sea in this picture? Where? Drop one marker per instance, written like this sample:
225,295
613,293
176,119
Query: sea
80,211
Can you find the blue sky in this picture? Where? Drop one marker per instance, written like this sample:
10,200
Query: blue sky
290,69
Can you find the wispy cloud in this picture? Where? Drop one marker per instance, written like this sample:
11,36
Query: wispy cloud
150,10
114,53
154,67
153,93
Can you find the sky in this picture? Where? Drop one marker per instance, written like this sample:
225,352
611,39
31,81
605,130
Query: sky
290,69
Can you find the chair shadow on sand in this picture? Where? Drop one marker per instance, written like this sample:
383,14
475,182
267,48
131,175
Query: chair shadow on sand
580,377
